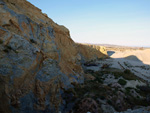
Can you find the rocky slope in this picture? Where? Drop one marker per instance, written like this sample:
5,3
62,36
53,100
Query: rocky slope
112,86
38,60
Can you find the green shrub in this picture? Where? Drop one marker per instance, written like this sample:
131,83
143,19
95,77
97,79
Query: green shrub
122,82
117,74
130,76
126,74
127,90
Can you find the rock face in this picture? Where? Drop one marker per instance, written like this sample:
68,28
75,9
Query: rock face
38,60
89,52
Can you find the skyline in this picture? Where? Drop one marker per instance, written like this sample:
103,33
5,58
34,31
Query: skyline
116,22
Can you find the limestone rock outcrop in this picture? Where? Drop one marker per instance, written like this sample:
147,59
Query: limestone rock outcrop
38,60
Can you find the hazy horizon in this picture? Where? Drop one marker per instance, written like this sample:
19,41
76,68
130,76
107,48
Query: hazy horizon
117,22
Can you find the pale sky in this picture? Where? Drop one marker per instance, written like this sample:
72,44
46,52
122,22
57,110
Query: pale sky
120,22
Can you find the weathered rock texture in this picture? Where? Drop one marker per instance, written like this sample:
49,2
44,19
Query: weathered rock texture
38,60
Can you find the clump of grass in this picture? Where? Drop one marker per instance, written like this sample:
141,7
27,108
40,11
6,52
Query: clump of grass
122,82
98,77
127,74
127,90
117,74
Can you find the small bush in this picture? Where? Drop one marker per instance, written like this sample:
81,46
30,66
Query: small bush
126,74
122,82
117,74
128,90
130,76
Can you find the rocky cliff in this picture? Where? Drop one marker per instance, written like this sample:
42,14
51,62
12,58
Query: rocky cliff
38,60
89,51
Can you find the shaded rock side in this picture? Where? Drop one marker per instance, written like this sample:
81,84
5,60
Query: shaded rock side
38,60
91,52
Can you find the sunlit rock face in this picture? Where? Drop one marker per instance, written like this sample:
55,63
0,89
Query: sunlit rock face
38,60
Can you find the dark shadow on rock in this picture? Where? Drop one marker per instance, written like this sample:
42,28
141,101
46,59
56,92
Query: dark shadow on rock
133,58
110,53
91,52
